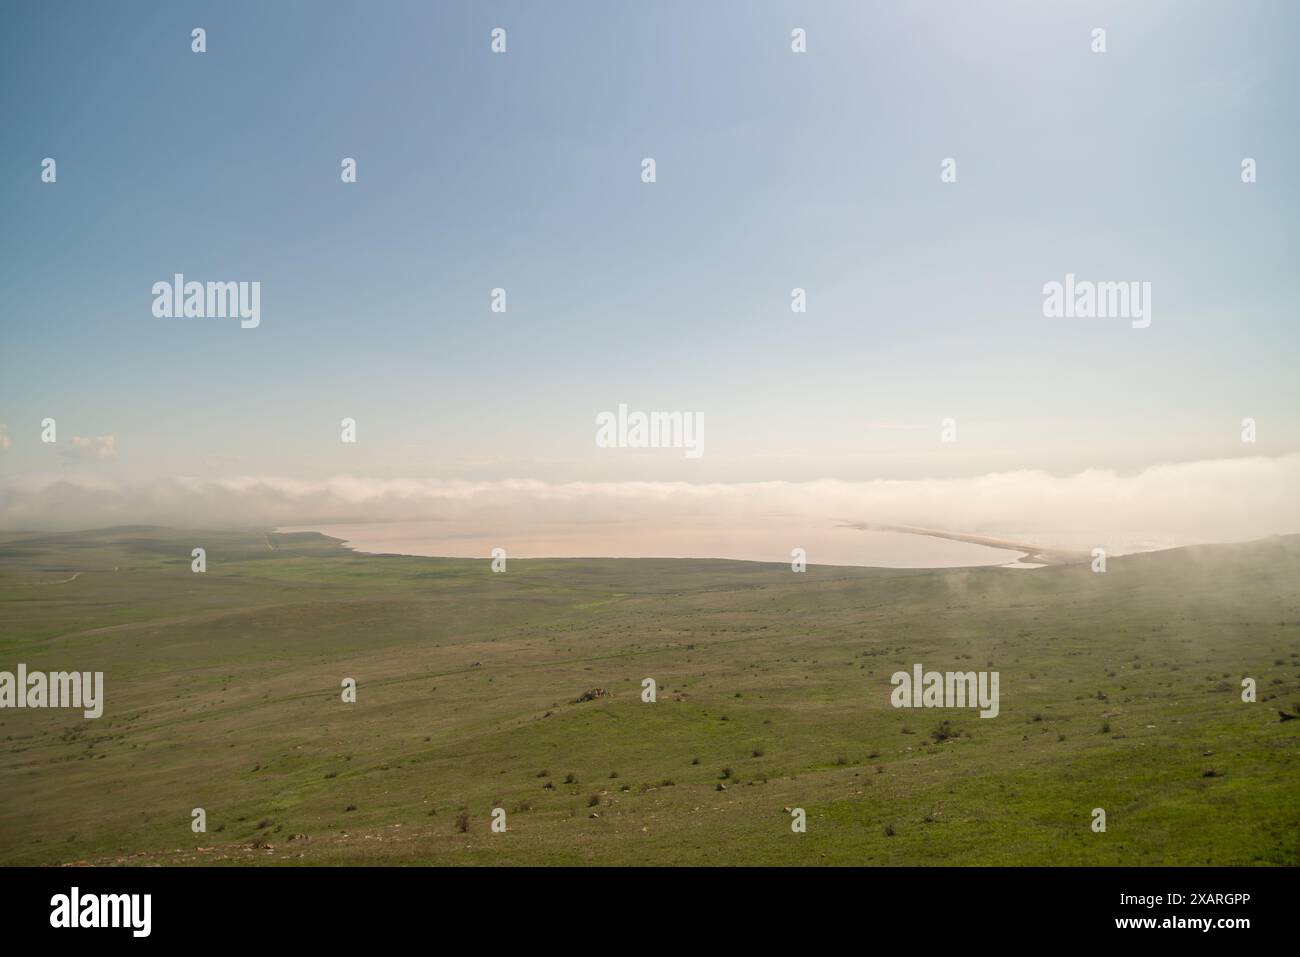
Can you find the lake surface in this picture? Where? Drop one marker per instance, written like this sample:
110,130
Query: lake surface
828,545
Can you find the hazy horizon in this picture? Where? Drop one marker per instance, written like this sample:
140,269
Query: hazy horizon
1190,503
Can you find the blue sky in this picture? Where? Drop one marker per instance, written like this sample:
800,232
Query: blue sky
521,170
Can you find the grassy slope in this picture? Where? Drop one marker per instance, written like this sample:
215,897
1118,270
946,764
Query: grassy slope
223,693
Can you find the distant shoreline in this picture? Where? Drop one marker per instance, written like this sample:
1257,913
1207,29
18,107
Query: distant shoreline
883,546
1033,553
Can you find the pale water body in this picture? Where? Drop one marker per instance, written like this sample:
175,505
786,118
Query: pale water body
827,545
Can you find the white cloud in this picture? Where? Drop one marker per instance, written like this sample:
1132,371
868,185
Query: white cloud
1208,501
94,447
6,443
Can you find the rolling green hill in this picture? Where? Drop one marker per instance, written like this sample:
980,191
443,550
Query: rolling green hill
1118,690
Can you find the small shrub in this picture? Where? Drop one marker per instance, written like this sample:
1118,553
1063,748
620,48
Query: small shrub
945,732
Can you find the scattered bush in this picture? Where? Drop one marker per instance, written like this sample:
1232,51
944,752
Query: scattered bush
945,732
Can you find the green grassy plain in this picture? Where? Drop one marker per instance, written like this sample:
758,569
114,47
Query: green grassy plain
1118,690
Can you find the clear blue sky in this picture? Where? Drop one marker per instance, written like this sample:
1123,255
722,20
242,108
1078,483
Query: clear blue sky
522,170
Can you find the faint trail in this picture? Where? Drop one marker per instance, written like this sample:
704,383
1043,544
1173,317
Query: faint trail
268,542
205,617
61,581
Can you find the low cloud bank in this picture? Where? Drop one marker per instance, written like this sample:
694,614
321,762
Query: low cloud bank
1193,502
